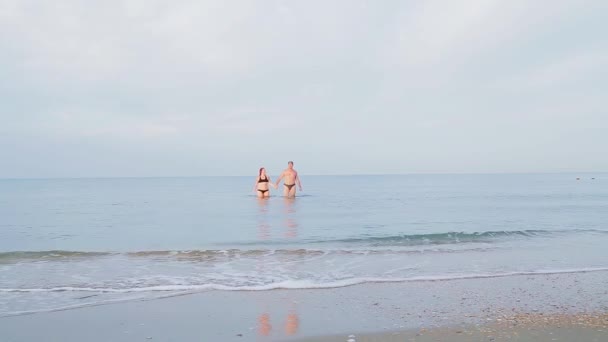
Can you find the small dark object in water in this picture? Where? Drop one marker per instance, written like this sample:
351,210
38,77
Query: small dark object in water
578,178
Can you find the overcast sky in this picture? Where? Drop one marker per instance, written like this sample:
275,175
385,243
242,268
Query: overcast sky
188,88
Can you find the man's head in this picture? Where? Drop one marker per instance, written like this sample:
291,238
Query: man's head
290,164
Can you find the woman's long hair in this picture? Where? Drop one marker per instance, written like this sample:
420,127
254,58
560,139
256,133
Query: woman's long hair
260,175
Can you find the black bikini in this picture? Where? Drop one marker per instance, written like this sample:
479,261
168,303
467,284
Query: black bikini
289,186
265,180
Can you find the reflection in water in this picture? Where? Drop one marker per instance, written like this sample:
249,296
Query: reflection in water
288,217
263,225
292,228
264,231
290,320
290,205
291,224
263,204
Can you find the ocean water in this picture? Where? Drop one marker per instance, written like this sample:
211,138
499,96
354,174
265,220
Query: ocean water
76,242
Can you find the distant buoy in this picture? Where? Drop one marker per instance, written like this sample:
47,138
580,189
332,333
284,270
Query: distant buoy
578,178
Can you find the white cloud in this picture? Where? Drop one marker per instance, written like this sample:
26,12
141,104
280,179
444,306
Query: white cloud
571,70
232,78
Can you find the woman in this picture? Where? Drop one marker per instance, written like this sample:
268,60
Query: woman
261,184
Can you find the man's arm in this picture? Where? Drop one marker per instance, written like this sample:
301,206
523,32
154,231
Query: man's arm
271,182
279,179
298,181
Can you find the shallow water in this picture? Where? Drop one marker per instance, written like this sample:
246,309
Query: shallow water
73,242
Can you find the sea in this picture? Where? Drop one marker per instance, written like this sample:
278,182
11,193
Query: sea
67,243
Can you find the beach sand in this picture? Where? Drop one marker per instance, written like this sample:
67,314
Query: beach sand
561,307
518,327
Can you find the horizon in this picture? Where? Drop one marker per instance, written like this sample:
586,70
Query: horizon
321,175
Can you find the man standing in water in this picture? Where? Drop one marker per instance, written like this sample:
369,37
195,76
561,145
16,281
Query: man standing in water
291,178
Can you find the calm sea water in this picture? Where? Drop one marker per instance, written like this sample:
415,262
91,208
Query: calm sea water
74,242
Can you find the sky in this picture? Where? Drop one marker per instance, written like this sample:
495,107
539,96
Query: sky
195,88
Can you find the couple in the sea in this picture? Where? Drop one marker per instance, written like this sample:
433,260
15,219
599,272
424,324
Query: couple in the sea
290,179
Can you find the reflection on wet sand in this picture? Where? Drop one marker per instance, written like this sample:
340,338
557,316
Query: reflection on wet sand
291,325
264,326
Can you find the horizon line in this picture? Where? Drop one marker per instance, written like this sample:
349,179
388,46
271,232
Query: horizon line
317,175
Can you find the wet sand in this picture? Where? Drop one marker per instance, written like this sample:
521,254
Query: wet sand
519,327
520,307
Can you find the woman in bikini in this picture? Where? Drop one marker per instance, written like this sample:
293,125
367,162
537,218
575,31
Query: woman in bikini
261,184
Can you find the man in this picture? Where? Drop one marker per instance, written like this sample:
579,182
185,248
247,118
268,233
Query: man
291,178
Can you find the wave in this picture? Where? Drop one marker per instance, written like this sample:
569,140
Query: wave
450,242
300,284
219,254
444,238
51,254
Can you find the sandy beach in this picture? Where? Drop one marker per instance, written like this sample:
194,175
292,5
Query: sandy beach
555,306
517,327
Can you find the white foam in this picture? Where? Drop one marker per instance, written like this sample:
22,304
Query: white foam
298,284
89,304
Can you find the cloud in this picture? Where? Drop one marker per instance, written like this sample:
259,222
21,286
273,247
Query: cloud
572,70
410,86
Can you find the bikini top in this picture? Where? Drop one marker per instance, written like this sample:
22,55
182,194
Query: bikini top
265,180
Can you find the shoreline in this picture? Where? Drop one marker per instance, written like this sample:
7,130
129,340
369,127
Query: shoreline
193,290
370,310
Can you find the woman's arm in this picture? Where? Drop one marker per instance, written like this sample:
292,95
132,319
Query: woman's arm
255,185
271,183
